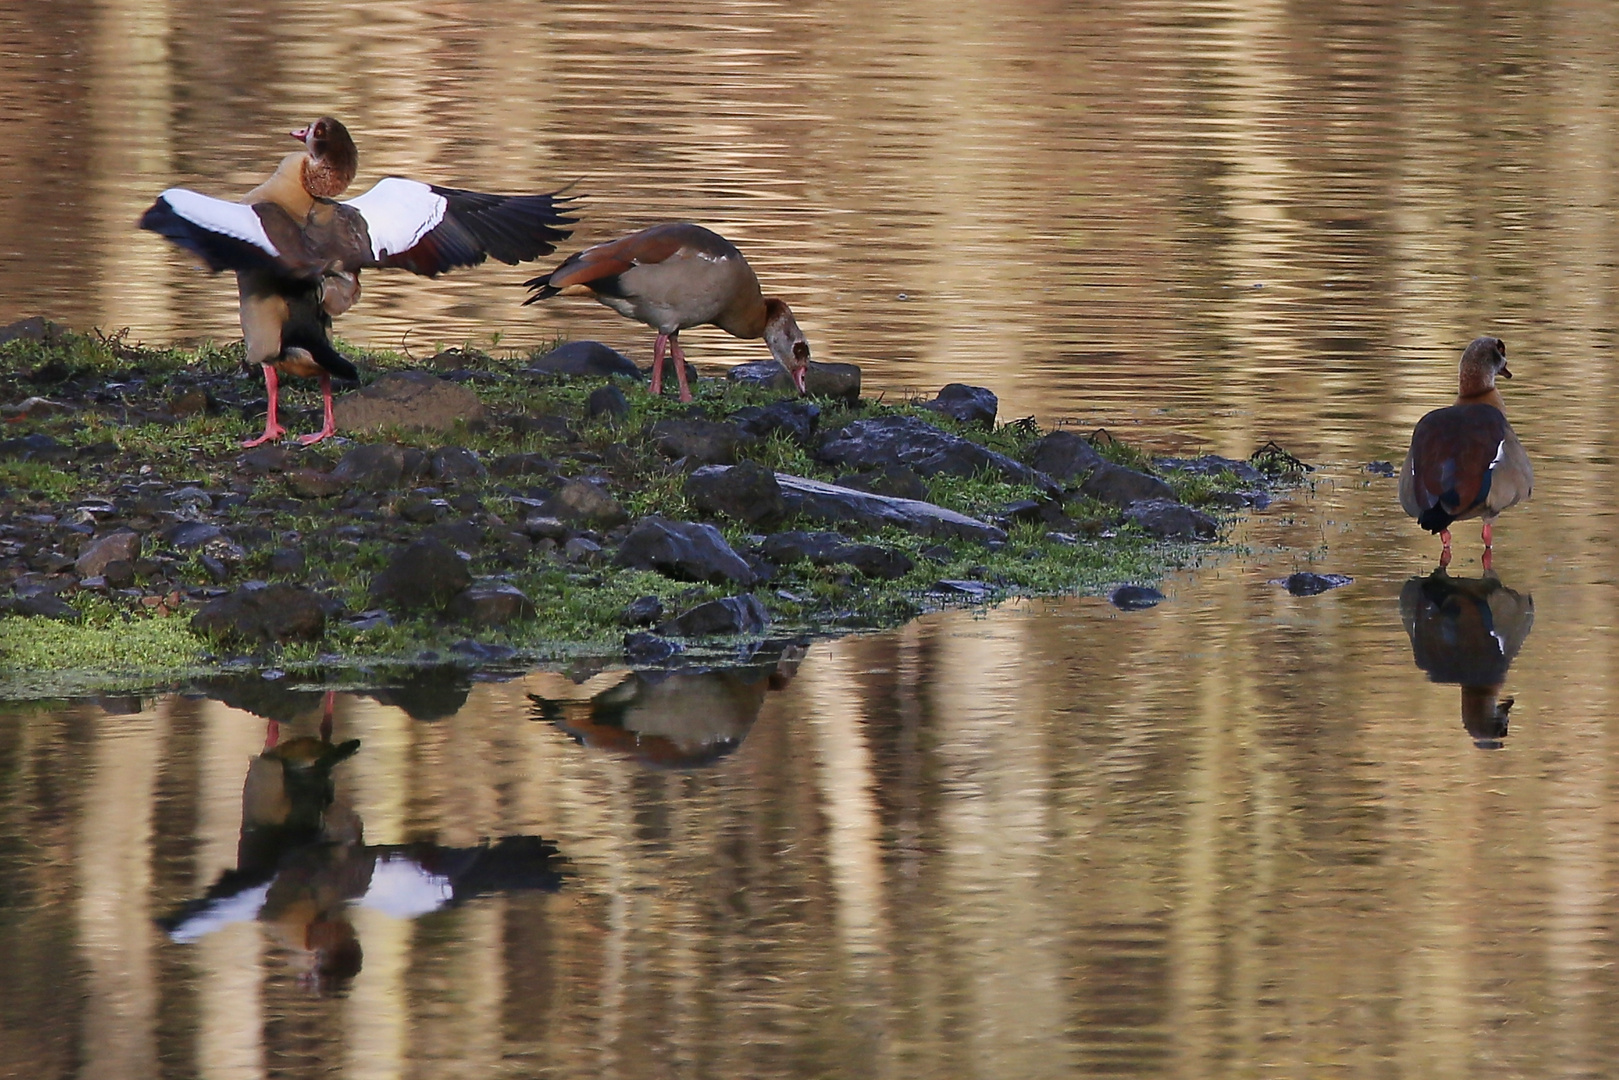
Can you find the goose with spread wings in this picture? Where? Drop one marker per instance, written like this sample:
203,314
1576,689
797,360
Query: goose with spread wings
298,253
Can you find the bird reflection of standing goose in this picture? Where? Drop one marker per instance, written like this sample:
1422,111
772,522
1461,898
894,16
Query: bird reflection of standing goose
1467,631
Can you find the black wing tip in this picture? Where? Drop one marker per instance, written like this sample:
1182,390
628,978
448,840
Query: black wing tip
1436,519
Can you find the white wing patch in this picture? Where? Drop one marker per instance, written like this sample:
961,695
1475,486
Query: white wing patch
404,889
398,213
1500,454
231,219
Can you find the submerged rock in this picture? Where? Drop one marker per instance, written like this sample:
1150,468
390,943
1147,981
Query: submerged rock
646,648
1305,583
684,550
1135,597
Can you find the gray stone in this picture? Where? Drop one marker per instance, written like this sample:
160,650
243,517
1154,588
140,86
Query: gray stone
118,574
733,615
1211,465
967,404
545,527
645,648
313,484
608,401
747,492
911,441
266,459
584,358
840,381
287,562
490,603
407,399
1166,519
894,480
582,549
819,501
794,417
422,576
581,502
684,550
44,606
263,614
833,549
1064,456
421,509
372,467
190,534
642,611
1119,486
702,442
121,546
456,463
522,465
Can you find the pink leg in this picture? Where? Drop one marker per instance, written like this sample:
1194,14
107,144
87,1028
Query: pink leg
330,427
272,734
680,365
1444,554
657,363
1486,560
272,429
326,717
1489,535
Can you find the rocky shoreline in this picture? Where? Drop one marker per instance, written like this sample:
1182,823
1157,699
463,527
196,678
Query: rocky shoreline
488,511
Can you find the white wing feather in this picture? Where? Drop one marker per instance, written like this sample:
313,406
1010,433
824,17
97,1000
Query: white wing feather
234,220
398,213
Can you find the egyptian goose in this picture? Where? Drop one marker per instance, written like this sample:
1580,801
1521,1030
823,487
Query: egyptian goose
1465,461
298,254
675,276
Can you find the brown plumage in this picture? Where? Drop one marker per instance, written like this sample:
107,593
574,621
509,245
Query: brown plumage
675,276
1465,461
1467,631
298,254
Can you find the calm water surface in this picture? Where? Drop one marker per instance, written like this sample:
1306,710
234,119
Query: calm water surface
1240,834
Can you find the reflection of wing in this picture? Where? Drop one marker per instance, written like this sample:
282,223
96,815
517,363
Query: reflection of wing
401,887
200,918
1464,630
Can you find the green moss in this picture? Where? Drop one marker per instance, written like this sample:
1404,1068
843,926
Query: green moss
109,648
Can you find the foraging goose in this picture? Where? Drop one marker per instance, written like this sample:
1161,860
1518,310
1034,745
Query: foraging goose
676,276
298,254
1465,461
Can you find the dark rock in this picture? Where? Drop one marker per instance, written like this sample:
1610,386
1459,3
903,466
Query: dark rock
45,606
702,442
1304,583
51,562
1024,510
190,534
747,492
266,459
793,416
421,509
831,549
642,611
216,568
976,590
407,399
1119,486
608,401
118,574
544,527
895,481
684,550
490,603
645,648
287,562
909,440
462,535
123,545
1170,520
456,463
522,465
369,620
841,381
313,484
584,358
423,576
35,447
33,328
581,549
545,425
829,503
968,404
733,615
1135,597
192,402
260,613
580,502
1211,465
454,359
1380,468
482,652
1064,456
372,467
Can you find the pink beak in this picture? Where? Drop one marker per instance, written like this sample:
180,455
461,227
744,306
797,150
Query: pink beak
301,134
799,375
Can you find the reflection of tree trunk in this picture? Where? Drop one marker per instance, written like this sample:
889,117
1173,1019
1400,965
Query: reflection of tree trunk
130,120
116,933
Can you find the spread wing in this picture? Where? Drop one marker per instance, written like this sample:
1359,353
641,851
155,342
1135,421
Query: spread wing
428,229
227,235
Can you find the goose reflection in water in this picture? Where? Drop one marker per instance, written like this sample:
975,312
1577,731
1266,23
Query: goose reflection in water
302,860
676,719
1467,631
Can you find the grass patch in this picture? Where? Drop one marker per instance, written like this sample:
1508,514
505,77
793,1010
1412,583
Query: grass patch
109,648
